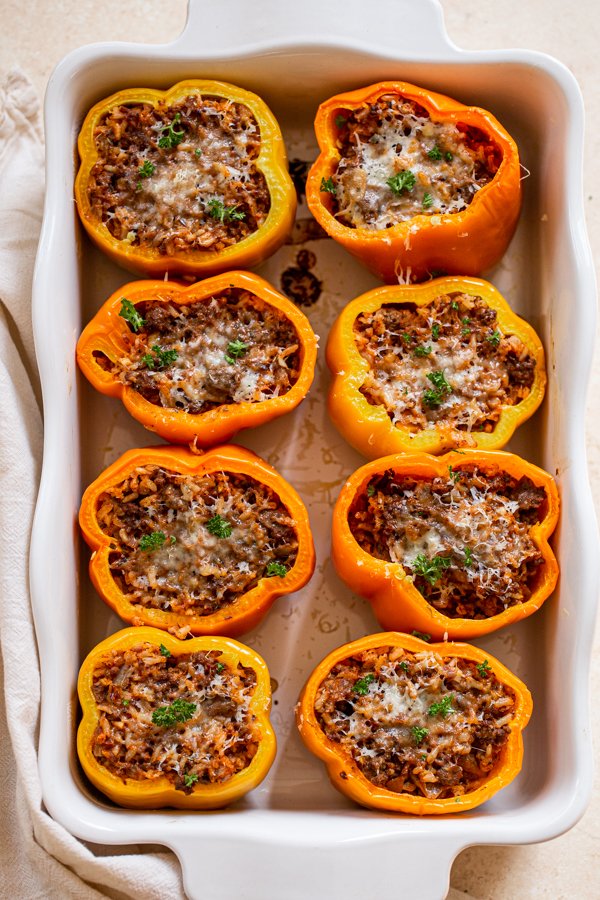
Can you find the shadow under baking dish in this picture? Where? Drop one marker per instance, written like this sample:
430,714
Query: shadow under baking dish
541,276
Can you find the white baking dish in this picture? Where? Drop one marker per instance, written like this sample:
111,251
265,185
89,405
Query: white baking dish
295,837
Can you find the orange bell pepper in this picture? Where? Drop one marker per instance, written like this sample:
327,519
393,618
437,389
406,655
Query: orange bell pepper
397,603
459,243
109,335
156,792
271,162
347,777
369,428
234,618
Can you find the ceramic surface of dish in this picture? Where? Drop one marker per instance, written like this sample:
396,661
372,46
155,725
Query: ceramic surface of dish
295,822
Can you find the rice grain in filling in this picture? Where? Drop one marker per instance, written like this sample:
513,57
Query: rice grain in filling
396,163
417,723
193,545
181,177
230,348
465,539
442,364
214,738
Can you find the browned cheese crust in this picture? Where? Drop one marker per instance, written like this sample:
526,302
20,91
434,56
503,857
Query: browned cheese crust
230,348
464,539
206,737
435,167
194,544
417,723
446,363
180,177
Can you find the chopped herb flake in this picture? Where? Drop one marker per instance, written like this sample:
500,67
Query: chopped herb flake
419,734
434,397
170,136
401,181
197,152
427,200
435,153
178,711
235,349
147,169
423,636
468,557
219,526
404,665
218,210
340,121
484,668
494,338
454,304
276,568
448,156
152,541
130,314
443,707
161,359
435,331
370,490
430,569
454,475
422,351
164,650
190,779
328,187
361,686
220,667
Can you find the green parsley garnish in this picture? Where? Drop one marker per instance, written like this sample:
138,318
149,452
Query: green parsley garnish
454,304
468,557
404,665
235,349
362,685
220,667
454,476
152,541
147,169
219,526
197,152
370,490
190,779
448,156
125,702
164,650
430,569
178,711
494,338
170,136
419,734
218,210
435,331
328,187
161,358
434,397
406,337
427,200
130,314
484,668
435,153
276,568
443,707
340,121
465,329
401,181
422,635
422,351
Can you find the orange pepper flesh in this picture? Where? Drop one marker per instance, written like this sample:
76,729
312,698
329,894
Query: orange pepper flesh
346,776
109,335
368,428
158,792
460,243
271,162
396,602
233,619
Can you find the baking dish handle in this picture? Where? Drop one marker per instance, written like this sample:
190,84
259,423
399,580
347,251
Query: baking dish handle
407,865
411,28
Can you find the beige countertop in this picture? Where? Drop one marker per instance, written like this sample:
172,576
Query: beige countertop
38,38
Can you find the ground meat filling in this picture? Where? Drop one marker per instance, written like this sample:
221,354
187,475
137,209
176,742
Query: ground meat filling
396,163
193,545
231,348
417,723
185,717
445,364
465,539
181,177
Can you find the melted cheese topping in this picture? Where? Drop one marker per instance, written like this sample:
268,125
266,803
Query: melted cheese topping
416,723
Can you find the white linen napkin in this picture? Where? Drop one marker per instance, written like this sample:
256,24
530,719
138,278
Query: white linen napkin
39,859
